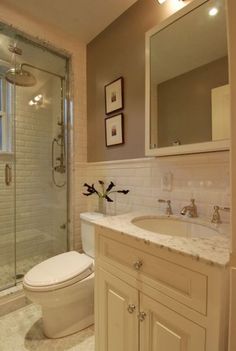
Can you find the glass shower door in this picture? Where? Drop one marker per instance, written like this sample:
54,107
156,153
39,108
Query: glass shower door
7,185
41,170
33,156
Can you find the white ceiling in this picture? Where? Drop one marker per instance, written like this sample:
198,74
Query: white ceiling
84,19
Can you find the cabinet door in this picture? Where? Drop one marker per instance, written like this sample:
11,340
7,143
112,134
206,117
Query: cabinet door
116,314
165,330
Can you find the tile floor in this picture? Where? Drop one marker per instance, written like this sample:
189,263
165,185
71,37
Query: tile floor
21,330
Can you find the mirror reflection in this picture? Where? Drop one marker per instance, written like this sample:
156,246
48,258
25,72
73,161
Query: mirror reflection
189,83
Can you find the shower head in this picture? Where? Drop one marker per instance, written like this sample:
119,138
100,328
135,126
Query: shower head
20,77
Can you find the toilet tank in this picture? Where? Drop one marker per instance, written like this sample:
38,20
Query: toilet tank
88,231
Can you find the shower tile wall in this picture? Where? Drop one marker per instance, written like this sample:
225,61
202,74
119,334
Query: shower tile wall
38,215
33,188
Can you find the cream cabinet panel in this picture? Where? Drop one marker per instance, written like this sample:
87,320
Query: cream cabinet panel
182,284
164,329
117,310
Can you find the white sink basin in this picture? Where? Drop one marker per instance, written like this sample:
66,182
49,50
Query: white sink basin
174,226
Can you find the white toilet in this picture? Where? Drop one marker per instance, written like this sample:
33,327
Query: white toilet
64,286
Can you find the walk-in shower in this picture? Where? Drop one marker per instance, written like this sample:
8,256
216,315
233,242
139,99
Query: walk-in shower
19,76
33,155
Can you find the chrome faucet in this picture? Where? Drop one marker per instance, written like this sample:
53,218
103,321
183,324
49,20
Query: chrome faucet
168,207
190,210
216,214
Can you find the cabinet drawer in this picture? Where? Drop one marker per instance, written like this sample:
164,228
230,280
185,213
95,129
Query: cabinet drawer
182,284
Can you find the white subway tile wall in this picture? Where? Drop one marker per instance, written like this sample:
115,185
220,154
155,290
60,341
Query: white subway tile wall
204,177
78,155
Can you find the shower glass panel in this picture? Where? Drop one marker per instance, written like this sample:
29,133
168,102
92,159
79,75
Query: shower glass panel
7,170
41,191
33,156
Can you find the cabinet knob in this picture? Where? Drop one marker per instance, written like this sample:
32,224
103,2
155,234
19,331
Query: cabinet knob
142,316
137,265
131,308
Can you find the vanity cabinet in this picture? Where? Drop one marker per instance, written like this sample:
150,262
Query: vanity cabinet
151,299
128,323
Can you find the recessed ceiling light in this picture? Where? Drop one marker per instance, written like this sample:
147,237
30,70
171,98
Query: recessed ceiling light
213,11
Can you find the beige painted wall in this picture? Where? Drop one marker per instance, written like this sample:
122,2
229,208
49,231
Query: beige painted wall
120,51
184,104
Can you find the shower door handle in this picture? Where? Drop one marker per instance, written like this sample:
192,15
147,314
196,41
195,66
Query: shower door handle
8,174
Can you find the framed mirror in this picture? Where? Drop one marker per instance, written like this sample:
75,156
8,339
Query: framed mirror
187,82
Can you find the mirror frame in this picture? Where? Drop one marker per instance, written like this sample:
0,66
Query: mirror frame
209,146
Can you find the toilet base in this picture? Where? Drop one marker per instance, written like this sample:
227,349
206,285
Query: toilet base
71,309
67,310
64,326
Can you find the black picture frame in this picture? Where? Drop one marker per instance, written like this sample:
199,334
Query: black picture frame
114,130
114,96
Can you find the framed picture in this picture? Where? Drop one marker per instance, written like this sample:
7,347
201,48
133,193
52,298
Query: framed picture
114,130
114,96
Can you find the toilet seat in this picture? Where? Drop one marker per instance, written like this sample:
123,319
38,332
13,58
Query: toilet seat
59,271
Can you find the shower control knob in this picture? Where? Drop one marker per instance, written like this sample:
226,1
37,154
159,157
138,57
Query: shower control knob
137,265
131,308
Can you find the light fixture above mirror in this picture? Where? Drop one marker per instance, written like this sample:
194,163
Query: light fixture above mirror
162,1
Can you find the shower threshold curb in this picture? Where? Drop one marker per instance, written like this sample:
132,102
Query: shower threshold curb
12,299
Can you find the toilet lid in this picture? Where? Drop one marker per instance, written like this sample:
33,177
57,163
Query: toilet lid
60,270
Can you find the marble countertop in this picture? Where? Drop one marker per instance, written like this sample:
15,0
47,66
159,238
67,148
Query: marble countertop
211,250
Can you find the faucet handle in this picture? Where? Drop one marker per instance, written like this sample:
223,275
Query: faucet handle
164,201
168,207
194,212
225,209
192,203
216,214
